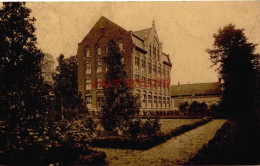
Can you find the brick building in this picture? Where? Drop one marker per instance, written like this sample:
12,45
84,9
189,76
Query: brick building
143,58
208,93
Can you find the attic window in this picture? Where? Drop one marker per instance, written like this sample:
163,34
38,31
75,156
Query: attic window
102,30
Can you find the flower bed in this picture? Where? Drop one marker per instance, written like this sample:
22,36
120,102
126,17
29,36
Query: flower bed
146,142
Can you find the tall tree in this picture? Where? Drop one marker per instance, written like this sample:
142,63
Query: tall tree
22,89
66,85
119,106
236,62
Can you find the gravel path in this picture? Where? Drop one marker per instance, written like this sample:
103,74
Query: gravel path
175,151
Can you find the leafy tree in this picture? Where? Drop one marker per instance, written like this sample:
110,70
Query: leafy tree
24,96
119,106
22,89
237,63
66,87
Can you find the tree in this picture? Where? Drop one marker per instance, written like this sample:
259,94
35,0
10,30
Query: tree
22,89
66,86
119,106
236,62
24,96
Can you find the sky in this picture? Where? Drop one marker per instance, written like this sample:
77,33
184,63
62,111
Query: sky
185,28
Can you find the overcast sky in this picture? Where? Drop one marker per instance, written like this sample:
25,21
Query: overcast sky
184,28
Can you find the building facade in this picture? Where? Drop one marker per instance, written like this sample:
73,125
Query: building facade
208,93
143,57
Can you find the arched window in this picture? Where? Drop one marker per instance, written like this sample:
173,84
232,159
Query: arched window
87,52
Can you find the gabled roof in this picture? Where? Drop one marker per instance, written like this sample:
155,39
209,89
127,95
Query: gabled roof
141,34
103,21
212,88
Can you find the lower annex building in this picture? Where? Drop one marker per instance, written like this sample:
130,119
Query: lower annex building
143,57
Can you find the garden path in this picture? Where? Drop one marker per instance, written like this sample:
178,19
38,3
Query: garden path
177,150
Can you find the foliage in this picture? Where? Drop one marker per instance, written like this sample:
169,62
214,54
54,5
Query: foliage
235,143
25,102
66,87
237,64
28,132
119,106
198,108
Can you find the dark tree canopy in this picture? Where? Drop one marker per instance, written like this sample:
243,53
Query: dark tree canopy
66,85
119,105
236,61
22,89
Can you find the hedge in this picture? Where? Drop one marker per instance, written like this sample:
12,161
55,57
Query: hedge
144,143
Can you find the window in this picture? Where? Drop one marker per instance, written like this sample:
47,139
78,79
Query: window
154,53
159,70
137,61
88,83
88,68
163,73
144,101
155,101
120,45
89,102
149,101
144,65
164,102
99,51
87,52
149,68
99,64
168,102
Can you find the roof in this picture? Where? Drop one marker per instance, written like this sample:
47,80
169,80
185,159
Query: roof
212,88
141,34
